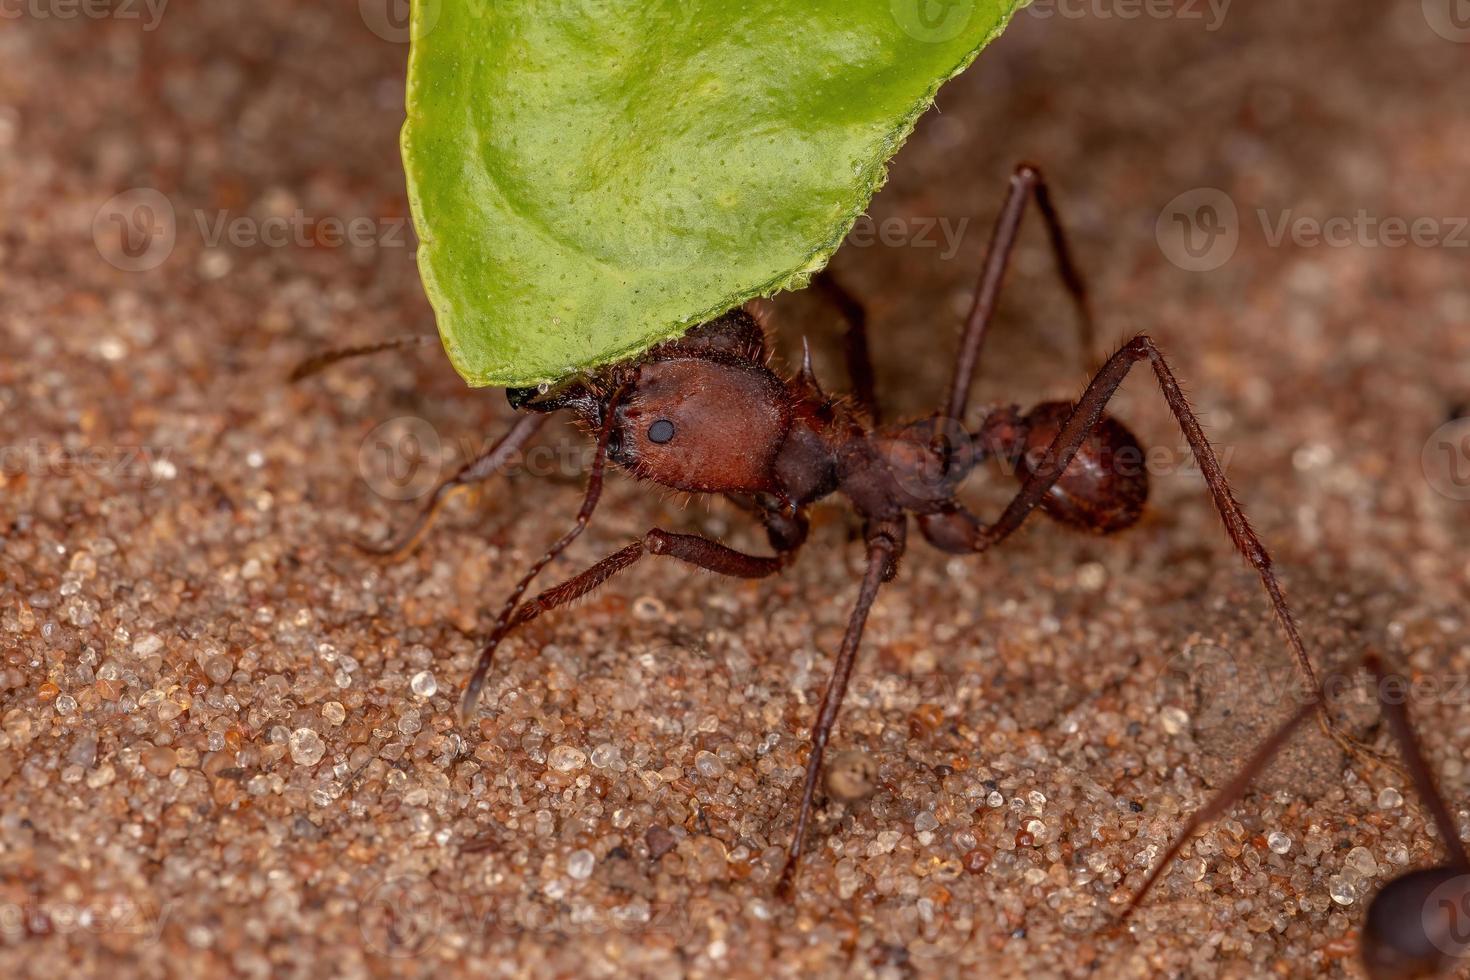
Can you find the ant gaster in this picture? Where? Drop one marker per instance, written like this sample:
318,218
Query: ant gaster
706,414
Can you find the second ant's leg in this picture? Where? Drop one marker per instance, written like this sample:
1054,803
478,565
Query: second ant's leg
1026,182
885,545
1403,733
855,342
492,461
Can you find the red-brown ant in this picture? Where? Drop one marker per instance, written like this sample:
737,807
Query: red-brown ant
705,414
1418,924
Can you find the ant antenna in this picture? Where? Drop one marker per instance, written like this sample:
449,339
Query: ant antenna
507,620
325,359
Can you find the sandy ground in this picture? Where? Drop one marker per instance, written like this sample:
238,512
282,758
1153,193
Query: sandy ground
227,738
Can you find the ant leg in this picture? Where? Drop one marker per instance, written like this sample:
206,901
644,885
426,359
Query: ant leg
885,544
692,548
590,496
855,341
1418,766
1225,799
1403,733
1084,418
1026,182
327,358
492,461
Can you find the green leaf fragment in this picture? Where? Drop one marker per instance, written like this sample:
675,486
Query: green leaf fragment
590,178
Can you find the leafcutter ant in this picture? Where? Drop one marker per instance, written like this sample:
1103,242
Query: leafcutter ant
705,414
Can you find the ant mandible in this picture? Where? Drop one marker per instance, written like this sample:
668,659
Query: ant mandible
705,414
1418,924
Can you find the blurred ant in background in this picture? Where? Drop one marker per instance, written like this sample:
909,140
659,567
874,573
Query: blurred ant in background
1418,924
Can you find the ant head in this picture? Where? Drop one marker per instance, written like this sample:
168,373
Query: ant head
702,421
701,413
1418,924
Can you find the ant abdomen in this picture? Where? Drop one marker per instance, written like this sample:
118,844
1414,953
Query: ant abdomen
1418,924
1104,487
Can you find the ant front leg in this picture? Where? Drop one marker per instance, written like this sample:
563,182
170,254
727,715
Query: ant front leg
885,547
695,549
492,461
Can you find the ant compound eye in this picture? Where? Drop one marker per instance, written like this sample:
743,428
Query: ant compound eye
661,431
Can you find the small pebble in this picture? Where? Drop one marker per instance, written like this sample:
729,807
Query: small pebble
1361,860
659,841
159,760
580,864
1342,891
423,684
566,758
307,747
852,775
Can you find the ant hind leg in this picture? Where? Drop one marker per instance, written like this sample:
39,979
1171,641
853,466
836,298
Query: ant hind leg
1084,418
